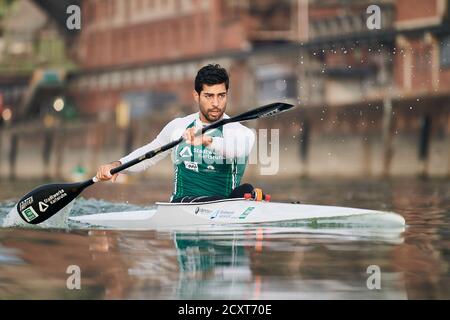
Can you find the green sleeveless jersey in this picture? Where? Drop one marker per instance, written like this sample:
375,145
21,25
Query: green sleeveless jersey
199,171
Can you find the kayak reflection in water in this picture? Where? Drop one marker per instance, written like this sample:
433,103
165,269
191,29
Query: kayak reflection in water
206,167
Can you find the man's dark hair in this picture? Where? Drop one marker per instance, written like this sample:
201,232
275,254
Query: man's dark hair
210,75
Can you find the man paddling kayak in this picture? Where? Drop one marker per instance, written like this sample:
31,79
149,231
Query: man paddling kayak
206,167
49,199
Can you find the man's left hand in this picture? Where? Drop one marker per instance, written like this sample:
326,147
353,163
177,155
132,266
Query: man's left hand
189,136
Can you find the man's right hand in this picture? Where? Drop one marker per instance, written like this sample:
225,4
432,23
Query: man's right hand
103,171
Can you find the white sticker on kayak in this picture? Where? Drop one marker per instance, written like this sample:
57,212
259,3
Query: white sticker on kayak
214,214
191,165
246,212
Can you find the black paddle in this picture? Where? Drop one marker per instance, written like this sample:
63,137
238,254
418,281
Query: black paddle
45,201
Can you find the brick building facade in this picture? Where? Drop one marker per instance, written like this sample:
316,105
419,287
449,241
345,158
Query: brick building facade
158,46
327,56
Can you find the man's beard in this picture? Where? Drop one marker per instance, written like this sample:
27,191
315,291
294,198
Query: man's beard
210,117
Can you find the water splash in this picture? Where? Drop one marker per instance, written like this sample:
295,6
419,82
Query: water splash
58,220
6,213
9,216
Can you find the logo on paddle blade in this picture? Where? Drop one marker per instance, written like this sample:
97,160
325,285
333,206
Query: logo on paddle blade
55,197
270,113
26,203
42,206
29,214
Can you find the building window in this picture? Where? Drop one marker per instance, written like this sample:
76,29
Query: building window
140,5
93,83
276,89
186,6
127,77
139,77
84,83
103,82
231,9
177,72
445,52
422,59
113,8
115,80
151,75
275,82
164,74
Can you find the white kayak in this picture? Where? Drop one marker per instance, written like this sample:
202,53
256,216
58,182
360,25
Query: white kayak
237,212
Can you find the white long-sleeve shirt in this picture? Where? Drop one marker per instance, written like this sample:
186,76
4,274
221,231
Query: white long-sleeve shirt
236,141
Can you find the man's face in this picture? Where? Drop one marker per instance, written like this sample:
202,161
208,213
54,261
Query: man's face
212,102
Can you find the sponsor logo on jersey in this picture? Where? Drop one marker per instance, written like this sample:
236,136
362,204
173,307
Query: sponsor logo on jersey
191,165
186,152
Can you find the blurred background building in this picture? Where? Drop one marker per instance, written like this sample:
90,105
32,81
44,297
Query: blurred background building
371,101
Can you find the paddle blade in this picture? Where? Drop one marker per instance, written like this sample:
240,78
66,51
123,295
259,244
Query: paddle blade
264,111
44,201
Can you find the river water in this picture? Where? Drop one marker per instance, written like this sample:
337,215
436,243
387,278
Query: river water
284,262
